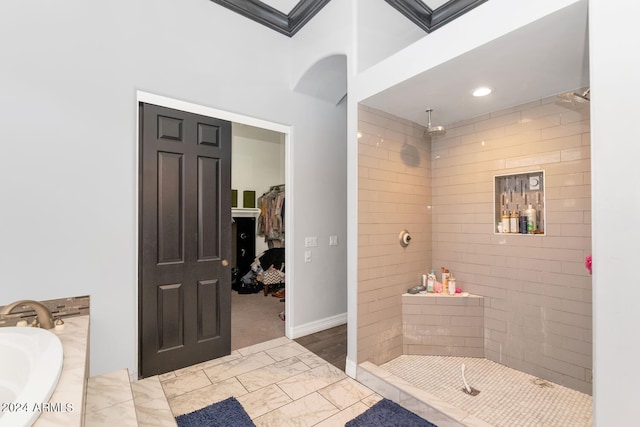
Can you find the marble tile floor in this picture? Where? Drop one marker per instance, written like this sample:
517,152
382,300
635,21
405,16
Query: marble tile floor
152,408
113,401
109,401
278,382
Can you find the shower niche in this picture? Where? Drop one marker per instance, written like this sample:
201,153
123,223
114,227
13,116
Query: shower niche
519,206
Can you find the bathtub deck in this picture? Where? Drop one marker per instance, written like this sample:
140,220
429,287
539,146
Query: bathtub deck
507,397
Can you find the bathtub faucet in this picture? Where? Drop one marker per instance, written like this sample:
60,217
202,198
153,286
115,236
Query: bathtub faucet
43,313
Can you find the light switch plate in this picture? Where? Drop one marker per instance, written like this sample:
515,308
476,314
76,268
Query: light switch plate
333,240
310,242
307,256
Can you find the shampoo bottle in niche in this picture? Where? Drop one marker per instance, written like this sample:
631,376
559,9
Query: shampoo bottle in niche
431,280
513,222
505,221
523,223
531,219
445,280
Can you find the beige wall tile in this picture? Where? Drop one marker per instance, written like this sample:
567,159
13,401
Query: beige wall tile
498,121
394,194
551,145
533,161
579,153
575,128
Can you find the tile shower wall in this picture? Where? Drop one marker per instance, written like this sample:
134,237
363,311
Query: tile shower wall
536,289
394,194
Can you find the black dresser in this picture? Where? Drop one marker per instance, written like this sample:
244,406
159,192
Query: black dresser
244,244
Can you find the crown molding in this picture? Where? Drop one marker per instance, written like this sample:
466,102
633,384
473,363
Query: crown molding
430,20
287,24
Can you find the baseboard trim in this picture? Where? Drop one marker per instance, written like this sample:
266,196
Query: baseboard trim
317,326
351,368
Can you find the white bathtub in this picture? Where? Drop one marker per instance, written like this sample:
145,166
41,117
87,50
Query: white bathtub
30,366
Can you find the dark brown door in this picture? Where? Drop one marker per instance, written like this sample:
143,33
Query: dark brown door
185,239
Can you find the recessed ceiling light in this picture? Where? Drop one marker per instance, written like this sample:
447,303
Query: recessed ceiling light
482,91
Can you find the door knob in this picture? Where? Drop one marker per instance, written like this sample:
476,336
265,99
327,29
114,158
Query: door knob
225,263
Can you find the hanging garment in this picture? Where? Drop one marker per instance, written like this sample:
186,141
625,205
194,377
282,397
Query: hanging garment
271,219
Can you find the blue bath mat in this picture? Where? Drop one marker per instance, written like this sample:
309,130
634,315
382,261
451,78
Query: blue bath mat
227,413
388,414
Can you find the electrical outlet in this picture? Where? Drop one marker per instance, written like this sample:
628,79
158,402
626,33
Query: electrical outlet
310,242
333,240
307,256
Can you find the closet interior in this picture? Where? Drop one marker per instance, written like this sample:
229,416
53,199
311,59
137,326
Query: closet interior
258,236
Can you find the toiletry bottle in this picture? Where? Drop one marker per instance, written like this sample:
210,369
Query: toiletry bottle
513,223
431,279
445,280
523,224
437,287
505,221
531,219
452,284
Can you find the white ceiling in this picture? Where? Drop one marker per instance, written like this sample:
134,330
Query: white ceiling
283,6
545,58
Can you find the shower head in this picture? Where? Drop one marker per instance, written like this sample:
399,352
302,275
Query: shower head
576,97
434,130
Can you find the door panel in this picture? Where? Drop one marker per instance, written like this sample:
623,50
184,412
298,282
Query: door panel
170,316
208,297
208,134
170,207
208,247
185,233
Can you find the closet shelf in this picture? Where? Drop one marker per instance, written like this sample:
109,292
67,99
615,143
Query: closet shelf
245,212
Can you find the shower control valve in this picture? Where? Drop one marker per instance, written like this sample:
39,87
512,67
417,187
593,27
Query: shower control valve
405,238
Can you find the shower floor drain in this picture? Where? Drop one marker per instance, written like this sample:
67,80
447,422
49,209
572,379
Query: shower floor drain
474,391
541,383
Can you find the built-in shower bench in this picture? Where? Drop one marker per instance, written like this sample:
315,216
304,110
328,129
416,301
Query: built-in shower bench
446,325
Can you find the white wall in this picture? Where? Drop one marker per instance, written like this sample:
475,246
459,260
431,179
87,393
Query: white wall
257,163
68,113
320,201
382,31
616,242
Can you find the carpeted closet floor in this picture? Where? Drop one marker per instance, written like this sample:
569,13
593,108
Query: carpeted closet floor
254,319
